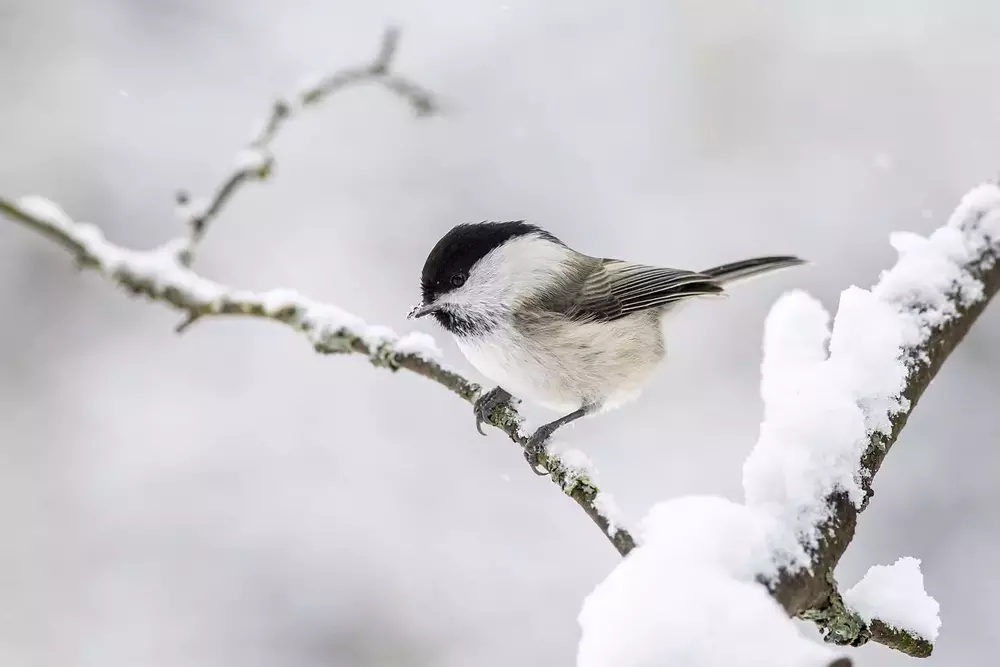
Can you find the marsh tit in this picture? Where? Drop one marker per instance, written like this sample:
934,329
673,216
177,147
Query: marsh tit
573,333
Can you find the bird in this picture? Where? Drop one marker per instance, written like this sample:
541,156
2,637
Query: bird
571,332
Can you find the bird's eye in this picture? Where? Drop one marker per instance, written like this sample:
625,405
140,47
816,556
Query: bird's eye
458,279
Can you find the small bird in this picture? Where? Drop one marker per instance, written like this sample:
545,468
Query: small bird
570,332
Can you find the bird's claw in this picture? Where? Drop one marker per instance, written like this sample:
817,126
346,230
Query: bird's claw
486,404
534,448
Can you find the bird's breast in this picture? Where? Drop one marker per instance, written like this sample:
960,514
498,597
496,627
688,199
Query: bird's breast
564,365
523,370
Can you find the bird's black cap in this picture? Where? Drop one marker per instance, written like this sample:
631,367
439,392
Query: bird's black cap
463,246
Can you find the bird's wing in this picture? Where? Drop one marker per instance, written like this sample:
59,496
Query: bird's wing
615,289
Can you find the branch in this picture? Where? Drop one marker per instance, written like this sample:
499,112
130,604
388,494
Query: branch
835,400
256,162
843,627
164,275
901,640
936,292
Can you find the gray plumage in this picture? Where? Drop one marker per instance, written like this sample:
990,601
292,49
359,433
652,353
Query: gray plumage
556,327
612,288
594,337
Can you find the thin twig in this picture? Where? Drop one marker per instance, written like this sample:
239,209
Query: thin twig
256,161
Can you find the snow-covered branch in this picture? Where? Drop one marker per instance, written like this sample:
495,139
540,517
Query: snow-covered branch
835,401
832,420
891,599
164,274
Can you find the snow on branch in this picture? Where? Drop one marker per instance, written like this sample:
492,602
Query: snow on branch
161,275
895,596
829,425
688,596
835,400
164,274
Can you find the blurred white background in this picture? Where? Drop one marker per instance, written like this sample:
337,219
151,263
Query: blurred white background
230,498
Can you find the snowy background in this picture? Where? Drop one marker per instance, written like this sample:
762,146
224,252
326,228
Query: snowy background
228,497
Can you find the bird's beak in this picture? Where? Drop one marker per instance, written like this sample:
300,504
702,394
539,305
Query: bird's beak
422,309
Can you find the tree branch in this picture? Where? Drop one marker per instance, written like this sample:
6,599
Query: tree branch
812,593
835,399
161,276
256,162
164,275
843,627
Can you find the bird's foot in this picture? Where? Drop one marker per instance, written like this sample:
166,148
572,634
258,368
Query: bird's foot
535,447
487,403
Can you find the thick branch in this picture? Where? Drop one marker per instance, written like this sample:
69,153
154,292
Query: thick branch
901,640
812,593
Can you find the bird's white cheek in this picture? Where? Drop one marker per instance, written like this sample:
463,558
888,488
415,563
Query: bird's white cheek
472,297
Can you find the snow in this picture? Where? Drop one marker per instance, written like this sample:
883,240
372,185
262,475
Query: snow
161,270
45,210
280,300
687,597
419,344
821,408
929,270
580,468
690,594
576,462
606,506
324,321
711,532
895,595
784,479
867,353
827,391
192,209
252,160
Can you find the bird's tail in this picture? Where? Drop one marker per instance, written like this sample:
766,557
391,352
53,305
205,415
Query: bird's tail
750,268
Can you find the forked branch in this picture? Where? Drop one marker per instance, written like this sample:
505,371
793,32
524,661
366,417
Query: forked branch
164,275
